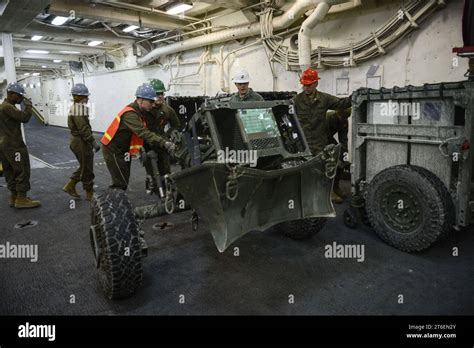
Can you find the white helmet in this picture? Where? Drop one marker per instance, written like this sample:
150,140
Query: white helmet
242,76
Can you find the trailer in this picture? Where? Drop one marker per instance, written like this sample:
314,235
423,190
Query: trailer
412,162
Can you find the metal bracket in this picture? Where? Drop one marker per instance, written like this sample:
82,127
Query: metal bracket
377,42
409,18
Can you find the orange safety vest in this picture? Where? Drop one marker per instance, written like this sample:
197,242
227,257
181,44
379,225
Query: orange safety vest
136,142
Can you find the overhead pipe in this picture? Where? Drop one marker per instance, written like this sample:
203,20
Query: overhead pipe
304,35
243,31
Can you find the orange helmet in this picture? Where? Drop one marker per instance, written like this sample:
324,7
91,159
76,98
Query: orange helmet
309,77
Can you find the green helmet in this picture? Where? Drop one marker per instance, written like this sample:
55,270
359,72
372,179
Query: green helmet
158,86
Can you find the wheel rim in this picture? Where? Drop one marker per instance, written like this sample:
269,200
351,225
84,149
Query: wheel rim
401,208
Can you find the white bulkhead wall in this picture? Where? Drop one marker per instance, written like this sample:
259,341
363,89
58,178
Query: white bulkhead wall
422,57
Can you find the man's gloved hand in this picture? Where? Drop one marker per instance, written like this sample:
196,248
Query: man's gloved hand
27,102
175,136
170,147
96,146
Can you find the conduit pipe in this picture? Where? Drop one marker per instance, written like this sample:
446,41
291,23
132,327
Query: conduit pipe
304,35
279,23
374,45
318,15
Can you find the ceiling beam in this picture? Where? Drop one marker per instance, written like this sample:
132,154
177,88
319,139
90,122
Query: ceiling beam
38,65
111,14
234,5
56,47
19,53
66,33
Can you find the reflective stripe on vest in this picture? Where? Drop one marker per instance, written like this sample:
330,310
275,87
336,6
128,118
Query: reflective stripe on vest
135,142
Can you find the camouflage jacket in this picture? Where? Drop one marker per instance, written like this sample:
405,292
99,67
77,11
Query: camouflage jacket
250,96
78,122
131,122
10,124
311,111
159,117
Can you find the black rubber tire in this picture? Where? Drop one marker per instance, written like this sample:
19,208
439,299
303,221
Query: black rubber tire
301,229
351,219
436,216
119,269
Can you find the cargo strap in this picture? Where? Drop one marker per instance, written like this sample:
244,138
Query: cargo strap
232,185
331,161
169,197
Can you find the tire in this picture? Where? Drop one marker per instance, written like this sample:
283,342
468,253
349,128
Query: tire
426,214
301,229
468,24
114,229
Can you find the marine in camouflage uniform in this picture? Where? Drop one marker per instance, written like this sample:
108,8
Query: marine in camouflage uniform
82,143
161,119
116,152
13,151
311,107
244,93
338,122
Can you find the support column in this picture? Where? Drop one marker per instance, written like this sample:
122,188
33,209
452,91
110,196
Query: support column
9,57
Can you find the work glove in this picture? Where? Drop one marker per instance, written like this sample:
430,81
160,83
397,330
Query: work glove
96,146
170,147
27,102
175,136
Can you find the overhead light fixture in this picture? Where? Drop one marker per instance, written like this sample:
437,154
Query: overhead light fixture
95,43
70,52
24,85
179,8
57,60
36,37
43,66
130,28
27,74
59,20
36,74
37,51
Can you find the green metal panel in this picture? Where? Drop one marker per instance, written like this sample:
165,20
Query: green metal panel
264,198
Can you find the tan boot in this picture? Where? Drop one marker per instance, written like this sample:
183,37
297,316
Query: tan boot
89,195
24,202
335,198
12,199
70,188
